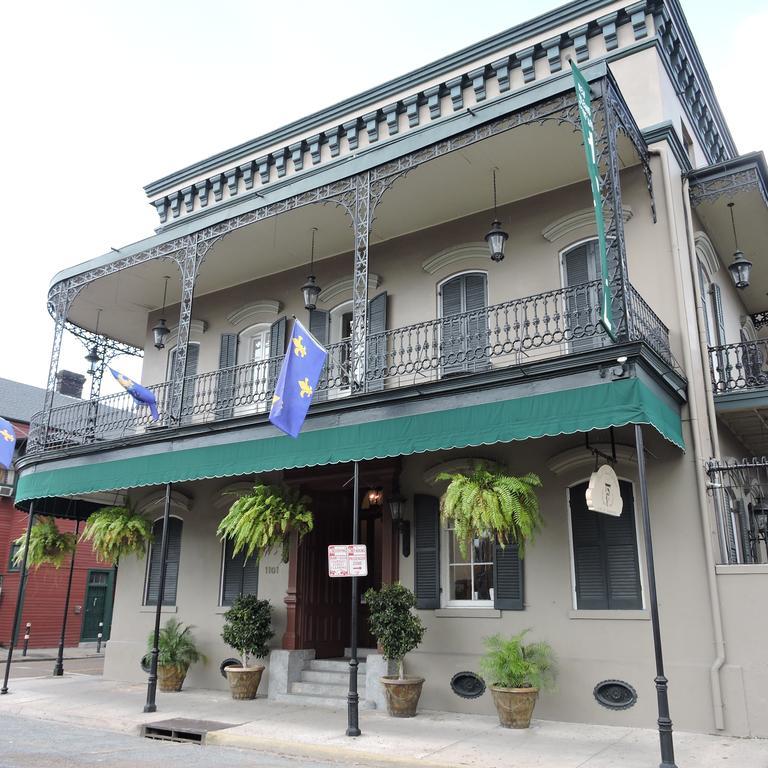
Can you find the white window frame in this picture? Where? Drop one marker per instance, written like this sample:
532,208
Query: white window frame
638,546
335,320
245,343
445,575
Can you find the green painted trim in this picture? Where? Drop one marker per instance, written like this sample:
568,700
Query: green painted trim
569,411
742,400
666,132
109,599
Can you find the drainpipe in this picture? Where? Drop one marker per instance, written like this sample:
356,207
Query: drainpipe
693,406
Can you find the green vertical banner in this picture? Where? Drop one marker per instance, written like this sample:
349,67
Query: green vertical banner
588,131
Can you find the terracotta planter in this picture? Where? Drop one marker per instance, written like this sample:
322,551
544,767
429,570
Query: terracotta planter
170,679
402,695
244,681
514,705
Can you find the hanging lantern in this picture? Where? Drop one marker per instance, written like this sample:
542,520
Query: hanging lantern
496,237
160,330
310,289
741,267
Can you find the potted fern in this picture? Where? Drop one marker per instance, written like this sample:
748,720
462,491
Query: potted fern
247,629
117,531
398,631
516,672
496,503
264,519
47,545
177,651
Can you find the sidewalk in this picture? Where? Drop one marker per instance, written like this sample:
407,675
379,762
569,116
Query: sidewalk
434,739
50,654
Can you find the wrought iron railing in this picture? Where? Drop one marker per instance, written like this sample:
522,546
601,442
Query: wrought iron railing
512,333
736,367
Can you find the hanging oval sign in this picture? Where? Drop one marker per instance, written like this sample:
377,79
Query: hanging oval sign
603,492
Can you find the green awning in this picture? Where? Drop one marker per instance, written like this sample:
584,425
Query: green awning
569,411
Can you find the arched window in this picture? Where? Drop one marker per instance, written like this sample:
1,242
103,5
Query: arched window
152,582
464,325
581,270
606,570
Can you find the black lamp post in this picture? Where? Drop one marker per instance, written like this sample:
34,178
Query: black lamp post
741,266
310,289
160,330
496,237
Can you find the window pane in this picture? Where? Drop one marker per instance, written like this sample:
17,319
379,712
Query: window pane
461,582
455,555
483,582
482,550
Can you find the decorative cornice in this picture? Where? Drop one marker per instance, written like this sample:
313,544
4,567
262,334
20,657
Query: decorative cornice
465,466
454,255
152,503
581,459
573,221
707,253
343,288
262,311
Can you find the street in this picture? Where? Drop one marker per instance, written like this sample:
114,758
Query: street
31,667
25,742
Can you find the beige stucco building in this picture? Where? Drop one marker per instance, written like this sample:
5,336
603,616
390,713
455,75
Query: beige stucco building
440,357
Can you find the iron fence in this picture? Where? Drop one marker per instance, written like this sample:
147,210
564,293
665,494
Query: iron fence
735,367
512,333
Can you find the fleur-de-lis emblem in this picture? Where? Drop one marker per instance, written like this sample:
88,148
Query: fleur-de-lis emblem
298,346
304,388
124,381
7,436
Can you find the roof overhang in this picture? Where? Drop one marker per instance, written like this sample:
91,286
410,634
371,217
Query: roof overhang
744,182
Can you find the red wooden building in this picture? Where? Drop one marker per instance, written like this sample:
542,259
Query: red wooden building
93,582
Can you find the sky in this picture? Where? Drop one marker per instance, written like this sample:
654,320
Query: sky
101,97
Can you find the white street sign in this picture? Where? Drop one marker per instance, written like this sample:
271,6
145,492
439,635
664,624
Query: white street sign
347,560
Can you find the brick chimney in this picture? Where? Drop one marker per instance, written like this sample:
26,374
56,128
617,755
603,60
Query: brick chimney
69,383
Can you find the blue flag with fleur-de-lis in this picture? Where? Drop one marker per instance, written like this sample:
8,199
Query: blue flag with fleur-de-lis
299,374
7,443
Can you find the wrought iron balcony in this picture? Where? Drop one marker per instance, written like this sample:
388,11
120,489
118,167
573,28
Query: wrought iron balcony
737,367
511,334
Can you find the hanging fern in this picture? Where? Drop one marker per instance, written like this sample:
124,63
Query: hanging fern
117,531
495,503
47,545
263,519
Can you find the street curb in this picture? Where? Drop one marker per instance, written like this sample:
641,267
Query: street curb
19,659
335,752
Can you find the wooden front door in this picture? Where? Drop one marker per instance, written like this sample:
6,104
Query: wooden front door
98,605
324,622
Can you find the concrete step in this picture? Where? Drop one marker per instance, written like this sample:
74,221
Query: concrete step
310,700
334,665
362,653
320,689
333,678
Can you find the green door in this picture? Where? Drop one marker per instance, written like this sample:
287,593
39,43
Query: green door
98,605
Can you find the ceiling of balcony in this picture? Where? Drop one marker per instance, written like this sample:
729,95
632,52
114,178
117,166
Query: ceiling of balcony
530,160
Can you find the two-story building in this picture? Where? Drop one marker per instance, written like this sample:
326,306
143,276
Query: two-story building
443,354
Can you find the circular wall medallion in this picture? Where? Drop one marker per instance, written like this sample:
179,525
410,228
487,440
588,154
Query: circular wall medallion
615,694
229,663
468,685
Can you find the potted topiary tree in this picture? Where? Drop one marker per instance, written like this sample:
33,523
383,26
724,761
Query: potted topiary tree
263,520
47,545
247,629
516,672
398,632
176,652
495,503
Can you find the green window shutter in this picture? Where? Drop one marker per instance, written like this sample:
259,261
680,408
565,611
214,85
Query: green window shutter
319,327
581,265
240,575
188,401
605,555
507,578
277,340
172,562
426,545
225,385
717,306
377,342
464,338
